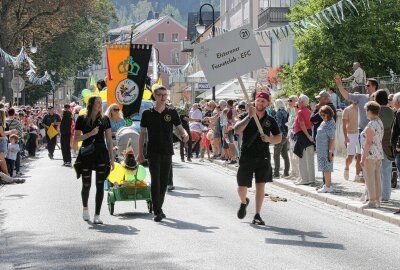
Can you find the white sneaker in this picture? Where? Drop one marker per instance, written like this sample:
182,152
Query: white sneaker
346,175
201,160
85,215
357,178
325,189
97,220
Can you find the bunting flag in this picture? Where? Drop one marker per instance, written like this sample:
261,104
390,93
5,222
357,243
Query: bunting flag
16,62
128,64
325,18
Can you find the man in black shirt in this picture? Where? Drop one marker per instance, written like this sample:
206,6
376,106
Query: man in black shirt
255,157
65,130
51,119
159,122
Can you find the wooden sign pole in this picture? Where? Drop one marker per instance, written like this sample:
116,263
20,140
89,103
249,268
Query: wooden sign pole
248,101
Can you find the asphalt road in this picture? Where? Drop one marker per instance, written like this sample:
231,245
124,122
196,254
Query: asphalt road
41,228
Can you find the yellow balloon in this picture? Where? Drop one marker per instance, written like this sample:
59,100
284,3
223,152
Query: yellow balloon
86,99
83,111
103,95
117,175
147,94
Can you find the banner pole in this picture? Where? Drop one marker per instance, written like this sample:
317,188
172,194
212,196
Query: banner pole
248,101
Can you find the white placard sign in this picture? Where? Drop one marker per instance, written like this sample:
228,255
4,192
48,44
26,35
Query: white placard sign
230,55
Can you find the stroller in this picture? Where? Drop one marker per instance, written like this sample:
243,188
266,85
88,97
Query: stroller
122,137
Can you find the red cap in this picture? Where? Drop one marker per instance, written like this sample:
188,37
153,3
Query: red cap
262,95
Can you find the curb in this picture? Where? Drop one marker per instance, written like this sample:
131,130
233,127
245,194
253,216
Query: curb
331,199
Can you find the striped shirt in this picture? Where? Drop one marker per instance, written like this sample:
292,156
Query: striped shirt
16,124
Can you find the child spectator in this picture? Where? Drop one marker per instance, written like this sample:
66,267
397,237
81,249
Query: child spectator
13,149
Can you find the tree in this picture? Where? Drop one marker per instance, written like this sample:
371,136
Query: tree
174,12
372,38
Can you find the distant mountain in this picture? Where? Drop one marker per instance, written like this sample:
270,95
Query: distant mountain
129,11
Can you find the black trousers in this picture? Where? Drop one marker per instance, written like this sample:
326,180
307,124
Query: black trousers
31,144
10,166
18,162
189,148
51,144
66,147
160,167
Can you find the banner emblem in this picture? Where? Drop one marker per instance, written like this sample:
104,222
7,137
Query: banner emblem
167,118
127,92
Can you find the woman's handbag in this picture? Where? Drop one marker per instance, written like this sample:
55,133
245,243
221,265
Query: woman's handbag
87,150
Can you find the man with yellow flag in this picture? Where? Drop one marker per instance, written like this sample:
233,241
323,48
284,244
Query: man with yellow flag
51,121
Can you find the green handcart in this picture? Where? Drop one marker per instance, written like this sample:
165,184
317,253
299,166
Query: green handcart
129,192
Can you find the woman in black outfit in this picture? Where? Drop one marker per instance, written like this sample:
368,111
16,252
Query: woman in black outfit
94,127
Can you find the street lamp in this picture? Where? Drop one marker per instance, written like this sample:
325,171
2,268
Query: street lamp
201,28
53,72
33,45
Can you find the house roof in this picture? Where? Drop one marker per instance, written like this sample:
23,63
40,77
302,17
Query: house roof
141,28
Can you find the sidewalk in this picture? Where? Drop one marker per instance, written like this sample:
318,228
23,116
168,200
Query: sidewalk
346,193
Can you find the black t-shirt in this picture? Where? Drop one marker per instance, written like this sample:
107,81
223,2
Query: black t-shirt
159,129
102,122
66,122
258,148
49,119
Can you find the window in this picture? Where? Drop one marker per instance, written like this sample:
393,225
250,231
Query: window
175,57
161,37
174,37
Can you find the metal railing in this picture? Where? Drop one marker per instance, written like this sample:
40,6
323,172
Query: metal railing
390,83
273,15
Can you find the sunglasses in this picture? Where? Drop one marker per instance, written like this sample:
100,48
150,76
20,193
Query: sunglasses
116,110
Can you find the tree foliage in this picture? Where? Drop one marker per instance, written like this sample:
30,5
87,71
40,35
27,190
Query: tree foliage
174,12
69,34
372,38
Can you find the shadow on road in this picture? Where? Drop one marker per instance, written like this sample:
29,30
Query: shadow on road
134,215
115,229
191,195
303,235
304,243
183,225
26,250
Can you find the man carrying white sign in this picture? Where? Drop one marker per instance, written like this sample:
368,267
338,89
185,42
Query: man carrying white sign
225,57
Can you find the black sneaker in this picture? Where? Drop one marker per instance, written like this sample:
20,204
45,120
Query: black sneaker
158,217
170,188
182,159
258,220
242,210
51,156
162,214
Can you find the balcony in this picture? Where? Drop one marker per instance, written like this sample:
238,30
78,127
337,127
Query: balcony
273,15
186,46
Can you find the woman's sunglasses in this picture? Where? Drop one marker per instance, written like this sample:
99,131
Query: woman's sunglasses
116,110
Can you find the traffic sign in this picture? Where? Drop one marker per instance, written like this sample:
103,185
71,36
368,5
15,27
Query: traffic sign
17,84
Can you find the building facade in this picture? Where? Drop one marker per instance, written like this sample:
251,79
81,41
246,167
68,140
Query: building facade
164,33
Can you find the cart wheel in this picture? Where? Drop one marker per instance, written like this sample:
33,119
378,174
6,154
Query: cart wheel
110,204
150,206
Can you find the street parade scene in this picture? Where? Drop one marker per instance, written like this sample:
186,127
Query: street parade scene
200,134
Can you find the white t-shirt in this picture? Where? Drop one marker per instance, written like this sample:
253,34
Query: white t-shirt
196,126
359,77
